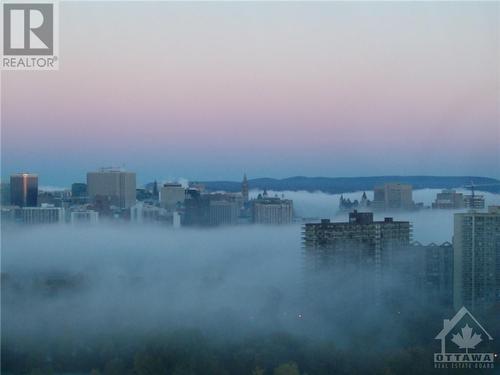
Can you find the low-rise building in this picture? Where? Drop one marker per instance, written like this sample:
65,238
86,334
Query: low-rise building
46,214
142,212
84,216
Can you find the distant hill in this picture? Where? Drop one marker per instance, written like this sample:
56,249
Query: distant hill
336,185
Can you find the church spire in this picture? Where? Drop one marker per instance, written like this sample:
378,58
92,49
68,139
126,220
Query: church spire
244,188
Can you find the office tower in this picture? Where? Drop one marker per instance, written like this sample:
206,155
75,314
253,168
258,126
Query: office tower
363,248
393,197
78,189
244,188
223,212
46,214
266,210
172,195
79,193
84,216
111,185
474,202
476,244
448,199
195,208
24,190
211,209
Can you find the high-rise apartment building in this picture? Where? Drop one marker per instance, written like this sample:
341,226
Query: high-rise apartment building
365,247
476,244
428,271
113,185
360,239
24,190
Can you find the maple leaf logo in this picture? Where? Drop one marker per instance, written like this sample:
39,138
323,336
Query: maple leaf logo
466,340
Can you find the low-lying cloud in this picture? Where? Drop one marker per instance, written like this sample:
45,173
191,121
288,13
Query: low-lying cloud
89,282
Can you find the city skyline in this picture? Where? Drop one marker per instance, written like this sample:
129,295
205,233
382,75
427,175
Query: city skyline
263,187
292,90
326,184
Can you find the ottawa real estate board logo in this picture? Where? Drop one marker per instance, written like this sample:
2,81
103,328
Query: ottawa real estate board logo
462,340
30,35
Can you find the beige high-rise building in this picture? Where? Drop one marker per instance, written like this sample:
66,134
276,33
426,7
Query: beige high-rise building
223,212
171,195
272,211
114,184
476,265
393,197
448,199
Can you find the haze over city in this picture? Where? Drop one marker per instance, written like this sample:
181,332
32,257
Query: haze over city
250,188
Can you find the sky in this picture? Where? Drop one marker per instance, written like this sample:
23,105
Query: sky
208,91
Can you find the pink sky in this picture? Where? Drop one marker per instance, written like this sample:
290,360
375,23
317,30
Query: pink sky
209,90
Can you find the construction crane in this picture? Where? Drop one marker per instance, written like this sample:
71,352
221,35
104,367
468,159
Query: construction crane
473,186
